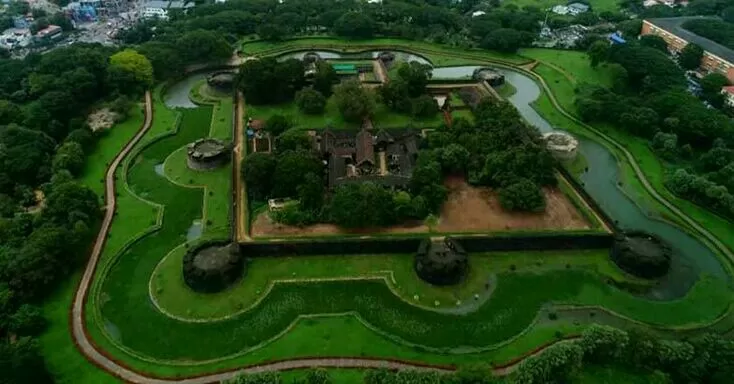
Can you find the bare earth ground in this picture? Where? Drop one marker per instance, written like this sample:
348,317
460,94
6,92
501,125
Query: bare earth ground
467,209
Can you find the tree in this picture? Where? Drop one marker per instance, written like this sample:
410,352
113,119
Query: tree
291,170
21,362
503,40
310,101
269,81
556,365
277,124
603,344
258,171
454,158
311,193
362,205
598,52
690,56
27,321
271,32
10,113
415,77
355,102
165,59
70,157
711,85
356,25
654,41
522,195
200,45
324,78
424,106
130,72
728,14
292,140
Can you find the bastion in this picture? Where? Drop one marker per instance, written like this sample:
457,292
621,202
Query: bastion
208,153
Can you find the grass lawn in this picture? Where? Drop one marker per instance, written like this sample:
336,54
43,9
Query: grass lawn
649,163
597,5
573,63
61,356
383,117
444,53
506,90
176,298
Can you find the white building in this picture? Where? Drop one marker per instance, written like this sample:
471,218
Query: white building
560,10
728,91
159,9
478,13
577,8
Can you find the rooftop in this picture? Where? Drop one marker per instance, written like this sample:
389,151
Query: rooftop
674,25
728,89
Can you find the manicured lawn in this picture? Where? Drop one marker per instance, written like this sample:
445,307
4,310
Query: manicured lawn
426,49
573,63
383,118
61,356
175,297
106,149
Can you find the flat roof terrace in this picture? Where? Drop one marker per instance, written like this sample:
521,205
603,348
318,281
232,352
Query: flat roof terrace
674,25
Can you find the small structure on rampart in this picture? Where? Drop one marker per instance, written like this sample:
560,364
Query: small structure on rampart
561,145
208,153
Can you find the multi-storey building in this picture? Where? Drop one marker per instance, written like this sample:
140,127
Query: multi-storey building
716,57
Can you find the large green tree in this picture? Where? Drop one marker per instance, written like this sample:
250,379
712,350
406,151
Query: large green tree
355,102
690,56
130,72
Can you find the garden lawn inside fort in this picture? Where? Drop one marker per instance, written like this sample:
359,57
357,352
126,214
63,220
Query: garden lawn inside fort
281,308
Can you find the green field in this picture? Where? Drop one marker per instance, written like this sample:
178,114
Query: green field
376,315
383,117
176,298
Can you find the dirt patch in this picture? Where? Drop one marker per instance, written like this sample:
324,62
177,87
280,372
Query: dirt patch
470,208
102,119
467,209
40,202
265,226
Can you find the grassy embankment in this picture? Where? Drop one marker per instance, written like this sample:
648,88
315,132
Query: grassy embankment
62,358
576,69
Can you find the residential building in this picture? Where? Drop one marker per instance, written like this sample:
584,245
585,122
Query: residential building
577,8
560,10
50,32
382,158
159,9
728,91
716,57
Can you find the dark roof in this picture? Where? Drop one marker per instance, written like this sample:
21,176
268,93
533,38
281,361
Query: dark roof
365,147
674,25
337,169
383,137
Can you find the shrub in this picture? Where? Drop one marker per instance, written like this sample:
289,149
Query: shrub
557,364
522,195
310,101
603,344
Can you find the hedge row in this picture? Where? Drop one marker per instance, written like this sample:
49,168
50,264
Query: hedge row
383,245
